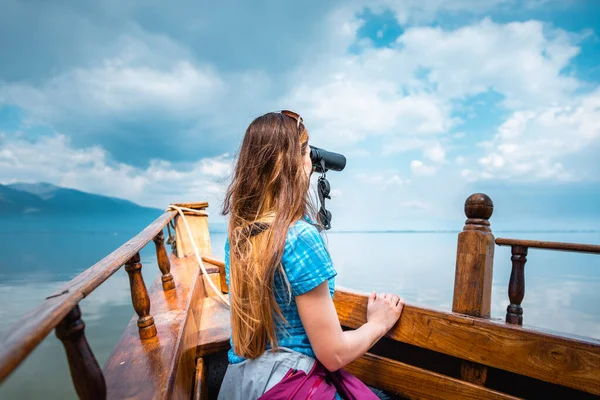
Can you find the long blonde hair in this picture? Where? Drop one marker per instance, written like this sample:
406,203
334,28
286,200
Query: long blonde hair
268,193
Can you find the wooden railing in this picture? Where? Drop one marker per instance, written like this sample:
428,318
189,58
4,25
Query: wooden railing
441,354
516,285
60,311
552,357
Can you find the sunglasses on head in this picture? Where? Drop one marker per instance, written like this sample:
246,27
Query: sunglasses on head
293,115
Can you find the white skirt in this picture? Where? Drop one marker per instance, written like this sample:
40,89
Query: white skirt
250,379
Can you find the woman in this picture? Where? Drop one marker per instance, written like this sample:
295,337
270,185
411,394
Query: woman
280,275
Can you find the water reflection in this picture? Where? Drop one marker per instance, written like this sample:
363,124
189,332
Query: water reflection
562,289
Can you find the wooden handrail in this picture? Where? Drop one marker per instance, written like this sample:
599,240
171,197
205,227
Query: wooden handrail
538,244
549,356
516,285
27,333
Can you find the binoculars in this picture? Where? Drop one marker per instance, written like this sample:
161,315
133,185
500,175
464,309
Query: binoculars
323,160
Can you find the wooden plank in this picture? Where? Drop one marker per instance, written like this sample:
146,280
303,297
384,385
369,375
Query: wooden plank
559,246
416,383
199,227
221,265
568,361
215,328
27,333
200,386
164,366
199,205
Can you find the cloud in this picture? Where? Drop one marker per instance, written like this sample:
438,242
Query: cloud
416,204
520,60
550,143
218,167
420,169
435,153
382,179
412,95
147,77
55,160
139,111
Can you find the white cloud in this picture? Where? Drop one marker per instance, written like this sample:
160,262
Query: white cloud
435,153
520,60
151,88
420,169
131,80
349,109
382,179
548,143
411,94
416,204
218,167
53,159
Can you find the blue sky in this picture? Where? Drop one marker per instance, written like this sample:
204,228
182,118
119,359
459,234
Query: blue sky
429,100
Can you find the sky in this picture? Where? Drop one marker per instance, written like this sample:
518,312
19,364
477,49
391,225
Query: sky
429,100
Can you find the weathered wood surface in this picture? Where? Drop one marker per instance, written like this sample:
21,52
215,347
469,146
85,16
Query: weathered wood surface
211,269
474,260
416,383
474,270
200,205
516,285
221,265
140,298
31,329
199,226
215,327
164,366
163,261
568,361
86,374
200,386
558,246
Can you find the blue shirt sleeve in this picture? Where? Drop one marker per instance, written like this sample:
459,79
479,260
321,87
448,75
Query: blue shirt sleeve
227,261
306,260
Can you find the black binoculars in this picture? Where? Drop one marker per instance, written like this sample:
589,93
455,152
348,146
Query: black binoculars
323,160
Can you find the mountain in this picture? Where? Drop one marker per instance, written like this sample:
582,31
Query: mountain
45,198
12,201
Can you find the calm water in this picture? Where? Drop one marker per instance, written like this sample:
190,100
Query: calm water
562,289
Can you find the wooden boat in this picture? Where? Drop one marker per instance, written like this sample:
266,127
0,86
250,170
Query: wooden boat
175,346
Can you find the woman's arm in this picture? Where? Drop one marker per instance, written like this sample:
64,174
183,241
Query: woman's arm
333,347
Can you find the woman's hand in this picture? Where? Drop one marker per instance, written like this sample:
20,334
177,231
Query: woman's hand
384,310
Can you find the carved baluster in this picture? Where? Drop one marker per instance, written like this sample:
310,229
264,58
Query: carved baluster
516,286
140,298
473,275
163,262
86,373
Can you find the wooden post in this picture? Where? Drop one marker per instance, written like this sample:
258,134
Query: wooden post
86,373
140,298
473,276
516,286
163,262
198,223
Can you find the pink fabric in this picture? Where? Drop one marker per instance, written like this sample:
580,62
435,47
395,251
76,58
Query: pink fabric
318,384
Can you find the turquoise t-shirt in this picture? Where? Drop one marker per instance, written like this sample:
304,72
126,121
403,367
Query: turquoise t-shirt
307,264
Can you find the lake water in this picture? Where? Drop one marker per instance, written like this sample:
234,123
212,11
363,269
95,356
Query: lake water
562,289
